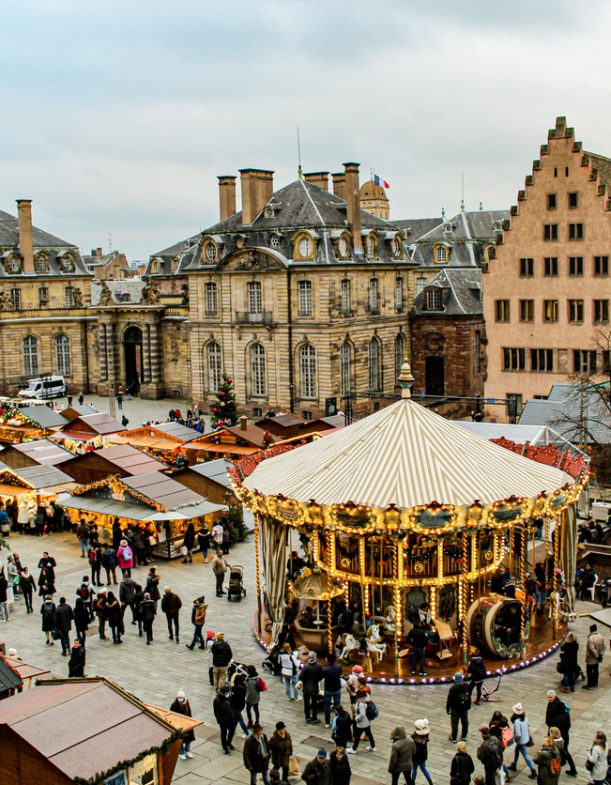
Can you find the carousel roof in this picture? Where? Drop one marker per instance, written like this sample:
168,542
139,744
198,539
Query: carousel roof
404,455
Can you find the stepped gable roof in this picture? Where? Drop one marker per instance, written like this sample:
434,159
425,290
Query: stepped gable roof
461,293
54,246
404,455
466,234
603,165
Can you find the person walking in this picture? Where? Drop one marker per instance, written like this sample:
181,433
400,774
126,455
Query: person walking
256,755
458,704
310,678
289,672
352,683
76,663
81,621
401,755
340,772
499,728
171,605
595,649
198,619
462,766
223,713
182,706
148,611
421,753
226,536
521,737
281,749
490,754
114,615
47,611
109,562
362,722
127,592
221,657
99,608
253,695
203,540
316,771
86,593
27,584
46,582
597,759
95,565
63,624
237,700
152,585
332,678
477,673
125,558
557,716
569,662
219,568
138,597
4,612
188,543
82,535
217,536
548,763
342,727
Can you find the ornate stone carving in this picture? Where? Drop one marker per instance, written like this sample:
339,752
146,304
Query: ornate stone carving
150,294
105,294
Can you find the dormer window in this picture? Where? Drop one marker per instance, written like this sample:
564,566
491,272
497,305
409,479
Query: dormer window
441,254
371,246
211,251
433,300
274,240
66,263
343,246
269,212
304,248
41,263
12,264
396,246
155,267
174,264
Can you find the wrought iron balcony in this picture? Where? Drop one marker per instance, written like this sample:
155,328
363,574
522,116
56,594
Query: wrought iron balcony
248,317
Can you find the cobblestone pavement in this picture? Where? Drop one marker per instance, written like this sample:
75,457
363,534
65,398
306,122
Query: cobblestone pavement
155,673
137,411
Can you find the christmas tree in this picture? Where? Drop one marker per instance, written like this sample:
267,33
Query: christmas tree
224,411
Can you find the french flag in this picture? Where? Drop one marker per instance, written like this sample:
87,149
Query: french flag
380,181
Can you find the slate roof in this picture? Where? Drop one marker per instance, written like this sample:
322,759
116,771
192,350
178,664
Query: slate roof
129,459
44,416
125,286
603,165
563,410
414,228
42,241
44,451
214,470
180,431
101,423
461,293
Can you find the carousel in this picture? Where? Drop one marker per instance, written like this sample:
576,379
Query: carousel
405,521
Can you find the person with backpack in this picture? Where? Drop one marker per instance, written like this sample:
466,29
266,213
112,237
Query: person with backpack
198,619
254,688
490,754
365,711
95,565
109,562
462,766
477,673
171,605
421,753
499,728
289,672
125,558
548,763
458,704
557,715
86,593
63,624
401,755
221,657
342,727
521,737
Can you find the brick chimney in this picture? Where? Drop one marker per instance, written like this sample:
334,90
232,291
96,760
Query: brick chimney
26,245
257,190
99,253
243,423
339,184
227,195
321,179
353,204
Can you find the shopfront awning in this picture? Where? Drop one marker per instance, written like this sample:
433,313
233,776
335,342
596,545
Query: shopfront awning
136,512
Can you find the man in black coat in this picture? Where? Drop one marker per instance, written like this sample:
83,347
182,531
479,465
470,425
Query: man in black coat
27,584
256,755
148,609
223,714
63,624
76,664
458,704
310,678
221,657
557,716
171,605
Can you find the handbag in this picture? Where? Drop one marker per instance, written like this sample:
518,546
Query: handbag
294,765
55,634
589,765
530,742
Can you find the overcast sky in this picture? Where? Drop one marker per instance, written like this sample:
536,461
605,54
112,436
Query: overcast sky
118,116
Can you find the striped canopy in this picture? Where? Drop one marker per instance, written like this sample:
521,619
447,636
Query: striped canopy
404,455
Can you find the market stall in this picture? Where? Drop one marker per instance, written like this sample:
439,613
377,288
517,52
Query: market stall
28,423
412,516
31,486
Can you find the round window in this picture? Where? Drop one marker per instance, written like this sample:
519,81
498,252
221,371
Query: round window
211,252
343,246
305,247
275,240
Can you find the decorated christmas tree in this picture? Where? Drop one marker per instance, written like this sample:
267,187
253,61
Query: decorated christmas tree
224,411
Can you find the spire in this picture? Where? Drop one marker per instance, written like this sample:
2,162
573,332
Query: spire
406,380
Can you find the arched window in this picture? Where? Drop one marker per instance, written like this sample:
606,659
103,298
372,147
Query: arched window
307,368
345,294
30,355
371,246
257,369
399,353
375,365
215,366
442,253
345,369
62,355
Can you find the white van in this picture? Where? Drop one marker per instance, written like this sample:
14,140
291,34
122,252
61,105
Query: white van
49,387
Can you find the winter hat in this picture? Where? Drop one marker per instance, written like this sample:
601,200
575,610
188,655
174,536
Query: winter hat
357,669
517,708
280,725
422,727
321,753
181,694
485,730
458,677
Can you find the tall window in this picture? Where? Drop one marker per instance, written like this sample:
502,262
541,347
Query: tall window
399,294
527,310
550,310
433,300
62,355
30,355
375,364
304,291
69,296
374,305
371,246
345,369
16,298
550,265
550,232
501,308
584,360
211,299
575,311
43,297
542,359
255,297
441,254
601,265
399,353
601,311
257,369
345,293
514,359
527,267
575,231
575,265
215,364
307,368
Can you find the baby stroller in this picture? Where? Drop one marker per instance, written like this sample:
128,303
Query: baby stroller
236,585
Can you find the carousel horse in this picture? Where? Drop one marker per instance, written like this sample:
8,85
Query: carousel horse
375,643
350,644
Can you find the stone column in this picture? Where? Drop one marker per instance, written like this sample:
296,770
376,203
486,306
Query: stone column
155,354
146,353
102,349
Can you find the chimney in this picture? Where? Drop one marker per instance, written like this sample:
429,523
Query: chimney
257,190
26,246
353,204
227,195
98,253
339,184
321,179
243,423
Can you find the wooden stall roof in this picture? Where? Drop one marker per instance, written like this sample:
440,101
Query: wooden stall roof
214,470
84,726
178,721
282,425
9,676
25,670
250,433
87,426
76,410
182,432
13,490
44,477
123,458
42,451
233,449
44,416
162,490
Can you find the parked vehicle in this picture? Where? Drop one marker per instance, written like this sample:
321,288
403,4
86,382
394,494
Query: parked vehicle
46,387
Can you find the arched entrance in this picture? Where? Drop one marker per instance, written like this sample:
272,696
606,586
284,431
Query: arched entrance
132,346
435,375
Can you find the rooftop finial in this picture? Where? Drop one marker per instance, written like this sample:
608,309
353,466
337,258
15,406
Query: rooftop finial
406,380
462,205
443,213
299,169
481,206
